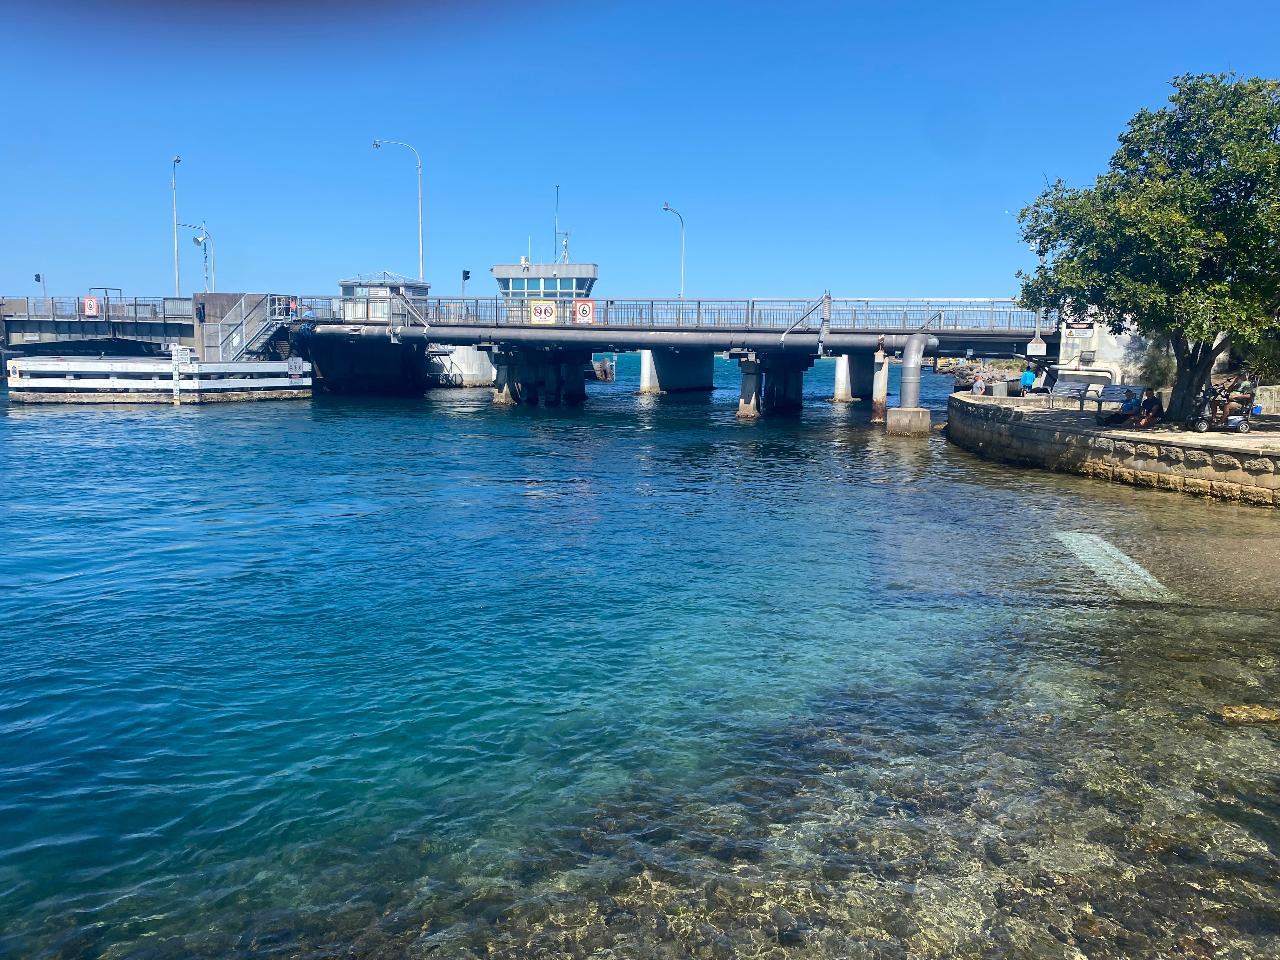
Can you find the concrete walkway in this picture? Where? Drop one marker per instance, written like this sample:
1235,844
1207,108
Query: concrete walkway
1264,437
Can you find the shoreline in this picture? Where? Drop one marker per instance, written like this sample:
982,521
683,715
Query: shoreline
1025,432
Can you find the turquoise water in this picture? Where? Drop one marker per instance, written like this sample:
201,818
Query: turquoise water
369,677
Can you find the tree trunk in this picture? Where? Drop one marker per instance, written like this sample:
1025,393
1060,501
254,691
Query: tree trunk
1194,364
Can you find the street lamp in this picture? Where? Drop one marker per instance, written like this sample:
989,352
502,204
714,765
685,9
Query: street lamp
173,182
670,209
204,240
376,145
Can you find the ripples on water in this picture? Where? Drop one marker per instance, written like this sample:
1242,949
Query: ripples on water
397,678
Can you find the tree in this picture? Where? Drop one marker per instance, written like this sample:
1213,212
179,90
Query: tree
1180,239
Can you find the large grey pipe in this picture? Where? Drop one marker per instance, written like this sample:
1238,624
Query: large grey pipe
623,338
912,354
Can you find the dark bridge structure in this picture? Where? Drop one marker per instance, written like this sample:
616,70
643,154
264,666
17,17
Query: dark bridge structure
539,349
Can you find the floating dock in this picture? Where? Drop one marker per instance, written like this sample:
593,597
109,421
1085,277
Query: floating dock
160,380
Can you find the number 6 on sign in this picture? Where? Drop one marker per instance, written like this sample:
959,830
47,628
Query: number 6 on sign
542,311
584,311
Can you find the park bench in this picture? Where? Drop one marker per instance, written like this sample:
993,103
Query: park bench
1114,393
1076,390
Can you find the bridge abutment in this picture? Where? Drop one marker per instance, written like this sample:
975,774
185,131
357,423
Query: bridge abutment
665,370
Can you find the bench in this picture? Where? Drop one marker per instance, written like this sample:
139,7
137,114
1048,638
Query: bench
1076,390
1114,393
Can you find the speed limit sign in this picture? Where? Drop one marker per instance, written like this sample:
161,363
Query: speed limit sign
542,311
584,311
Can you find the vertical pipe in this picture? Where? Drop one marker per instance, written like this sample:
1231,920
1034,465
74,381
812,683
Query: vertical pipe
912,354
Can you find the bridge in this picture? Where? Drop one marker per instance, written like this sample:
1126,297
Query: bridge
539,348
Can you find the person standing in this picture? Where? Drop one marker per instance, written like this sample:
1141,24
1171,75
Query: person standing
1028,380
979,386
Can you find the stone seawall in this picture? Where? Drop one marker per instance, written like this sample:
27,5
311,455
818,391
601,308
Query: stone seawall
1025,432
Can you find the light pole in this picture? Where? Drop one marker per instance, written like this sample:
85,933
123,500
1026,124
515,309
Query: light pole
670,209
204,240
399,143
173,182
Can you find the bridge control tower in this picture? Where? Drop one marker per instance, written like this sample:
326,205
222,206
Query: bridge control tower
560,281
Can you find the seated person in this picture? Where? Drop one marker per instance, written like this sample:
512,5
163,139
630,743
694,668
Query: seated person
1240,394
1128,410
1150,411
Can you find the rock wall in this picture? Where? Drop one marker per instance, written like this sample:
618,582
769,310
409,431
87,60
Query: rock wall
1012,432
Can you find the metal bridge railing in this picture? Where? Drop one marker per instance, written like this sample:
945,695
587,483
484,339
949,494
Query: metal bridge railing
703,314
848,314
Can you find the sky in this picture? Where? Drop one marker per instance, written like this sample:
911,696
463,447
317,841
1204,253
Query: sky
872,149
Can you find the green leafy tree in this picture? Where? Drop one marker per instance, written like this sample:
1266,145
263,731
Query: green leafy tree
1180,239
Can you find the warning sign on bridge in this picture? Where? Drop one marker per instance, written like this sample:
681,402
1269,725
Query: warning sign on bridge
542,311
90,306
584,311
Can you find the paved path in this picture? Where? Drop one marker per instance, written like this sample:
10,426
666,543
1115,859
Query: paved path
1263,438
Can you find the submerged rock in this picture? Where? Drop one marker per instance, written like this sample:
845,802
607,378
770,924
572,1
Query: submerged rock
1249,713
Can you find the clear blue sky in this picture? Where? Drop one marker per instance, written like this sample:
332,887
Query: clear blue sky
872,148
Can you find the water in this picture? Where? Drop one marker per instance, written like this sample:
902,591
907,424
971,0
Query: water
382,678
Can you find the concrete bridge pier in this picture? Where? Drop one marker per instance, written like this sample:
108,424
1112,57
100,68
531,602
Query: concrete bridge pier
854,377
909,418
668,370
879,387
523,377
771,384
750,397
783,386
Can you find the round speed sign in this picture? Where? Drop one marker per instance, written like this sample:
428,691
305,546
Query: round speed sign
584,311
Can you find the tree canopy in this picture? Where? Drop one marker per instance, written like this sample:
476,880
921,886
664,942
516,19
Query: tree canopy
1180,237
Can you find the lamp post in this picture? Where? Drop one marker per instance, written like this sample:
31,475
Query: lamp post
173,183
670,209
399,143
204,240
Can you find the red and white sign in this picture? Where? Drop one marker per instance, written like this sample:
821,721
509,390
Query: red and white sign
584,311
91,306
542,311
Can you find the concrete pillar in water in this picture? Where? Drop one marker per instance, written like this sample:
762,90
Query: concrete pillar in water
749,398
573,383
505,389
909,418
783,387
665,370
862,374
526,376
843,392
879,387
549,378
648,374
854,375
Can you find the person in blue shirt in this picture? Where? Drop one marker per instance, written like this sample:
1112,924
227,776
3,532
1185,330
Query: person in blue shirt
1128,410
1027,381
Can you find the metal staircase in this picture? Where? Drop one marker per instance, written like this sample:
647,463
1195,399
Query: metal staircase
247,327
